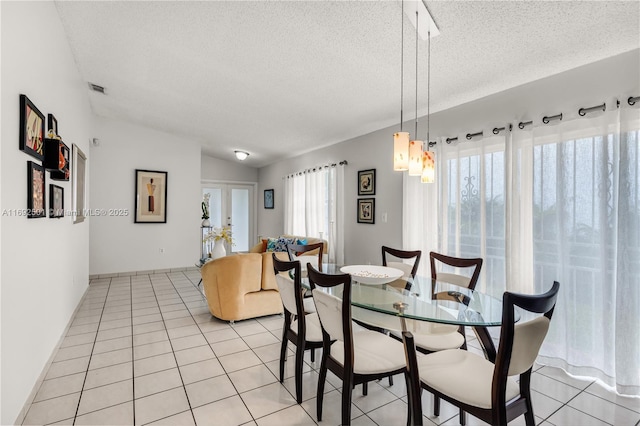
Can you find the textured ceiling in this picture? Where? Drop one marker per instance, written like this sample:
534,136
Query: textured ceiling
278,78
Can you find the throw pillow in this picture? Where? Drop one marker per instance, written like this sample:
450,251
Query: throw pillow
302,242
271,244
281,243
264,244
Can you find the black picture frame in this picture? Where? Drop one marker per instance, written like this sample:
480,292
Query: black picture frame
52,124
31,129
268,199
367,210
35,191
56,201
367,182
151,196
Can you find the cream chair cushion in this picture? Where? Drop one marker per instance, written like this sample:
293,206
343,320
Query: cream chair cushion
312,323
462,375
373,352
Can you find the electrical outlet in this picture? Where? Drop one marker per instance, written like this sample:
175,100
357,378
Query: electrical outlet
161,250
384,218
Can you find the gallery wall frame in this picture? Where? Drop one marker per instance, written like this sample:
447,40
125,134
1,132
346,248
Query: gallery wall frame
56,201
35,191
78,183
367,182
366,210
268,199
150,196
31,128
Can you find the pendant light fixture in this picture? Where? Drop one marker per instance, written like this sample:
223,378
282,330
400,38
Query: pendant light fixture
428,158
415,146
401,139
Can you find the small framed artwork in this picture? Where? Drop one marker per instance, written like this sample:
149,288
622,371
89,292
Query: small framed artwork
56,201
367,182
268,198
52,124
366,210
78,183
35,190
31,128
151,196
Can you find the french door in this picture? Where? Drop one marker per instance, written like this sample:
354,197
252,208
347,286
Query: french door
232,204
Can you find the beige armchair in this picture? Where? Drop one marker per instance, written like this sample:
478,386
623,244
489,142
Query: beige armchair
241,286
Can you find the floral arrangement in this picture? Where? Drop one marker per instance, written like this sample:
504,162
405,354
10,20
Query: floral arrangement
205,206
218,234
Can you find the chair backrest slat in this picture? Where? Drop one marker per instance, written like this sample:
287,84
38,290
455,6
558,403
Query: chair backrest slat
305,252
520,343
409,270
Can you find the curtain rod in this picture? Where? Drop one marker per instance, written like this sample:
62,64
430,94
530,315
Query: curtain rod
317,168
546,120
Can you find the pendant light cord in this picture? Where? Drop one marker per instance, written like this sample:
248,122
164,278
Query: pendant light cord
401,63
416,132
428,82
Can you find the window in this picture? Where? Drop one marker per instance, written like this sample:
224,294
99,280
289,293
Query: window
550,203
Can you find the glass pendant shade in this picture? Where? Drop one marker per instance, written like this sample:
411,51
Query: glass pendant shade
415,158
401,151
428,167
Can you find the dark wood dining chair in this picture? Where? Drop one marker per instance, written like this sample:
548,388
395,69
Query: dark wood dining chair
303,252
300,327
432,337
488,391
354,354
409,270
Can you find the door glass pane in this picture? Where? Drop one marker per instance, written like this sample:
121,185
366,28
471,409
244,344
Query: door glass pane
215,205
240,218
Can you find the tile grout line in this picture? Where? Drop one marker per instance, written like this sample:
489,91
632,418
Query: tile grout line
133,363
86,373
184,388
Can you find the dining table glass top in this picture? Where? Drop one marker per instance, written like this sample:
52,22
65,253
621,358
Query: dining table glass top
412,299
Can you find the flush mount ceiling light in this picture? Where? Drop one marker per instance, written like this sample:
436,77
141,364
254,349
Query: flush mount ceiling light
241,155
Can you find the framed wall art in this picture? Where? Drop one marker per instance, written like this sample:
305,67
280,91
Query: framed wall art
56,201
35,190
151,196
268,198
367,182
31,128
366,210
79,179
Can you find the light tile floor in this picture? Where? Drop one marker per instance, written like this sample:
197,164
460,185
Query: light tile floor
145,350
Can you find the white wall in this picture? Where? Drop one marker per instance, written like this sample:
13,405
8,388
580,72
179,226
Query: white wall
582,87
44,261
228,171
117,244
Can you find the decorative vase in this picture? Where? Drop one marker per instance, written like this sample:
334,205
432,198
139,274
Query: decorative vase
218,250
206,223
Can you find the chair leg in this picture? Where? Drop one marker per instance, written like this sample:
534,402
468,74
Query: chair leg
321,379
299,361
313,355
365,388
390,380
347,391
463,417
436,406
283,355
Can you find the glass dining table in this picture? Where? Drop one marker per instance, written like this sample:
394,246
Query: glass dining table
388,306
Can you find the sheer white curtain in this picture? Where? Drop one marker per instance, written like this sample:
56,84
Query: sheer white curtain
551,202
314,207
